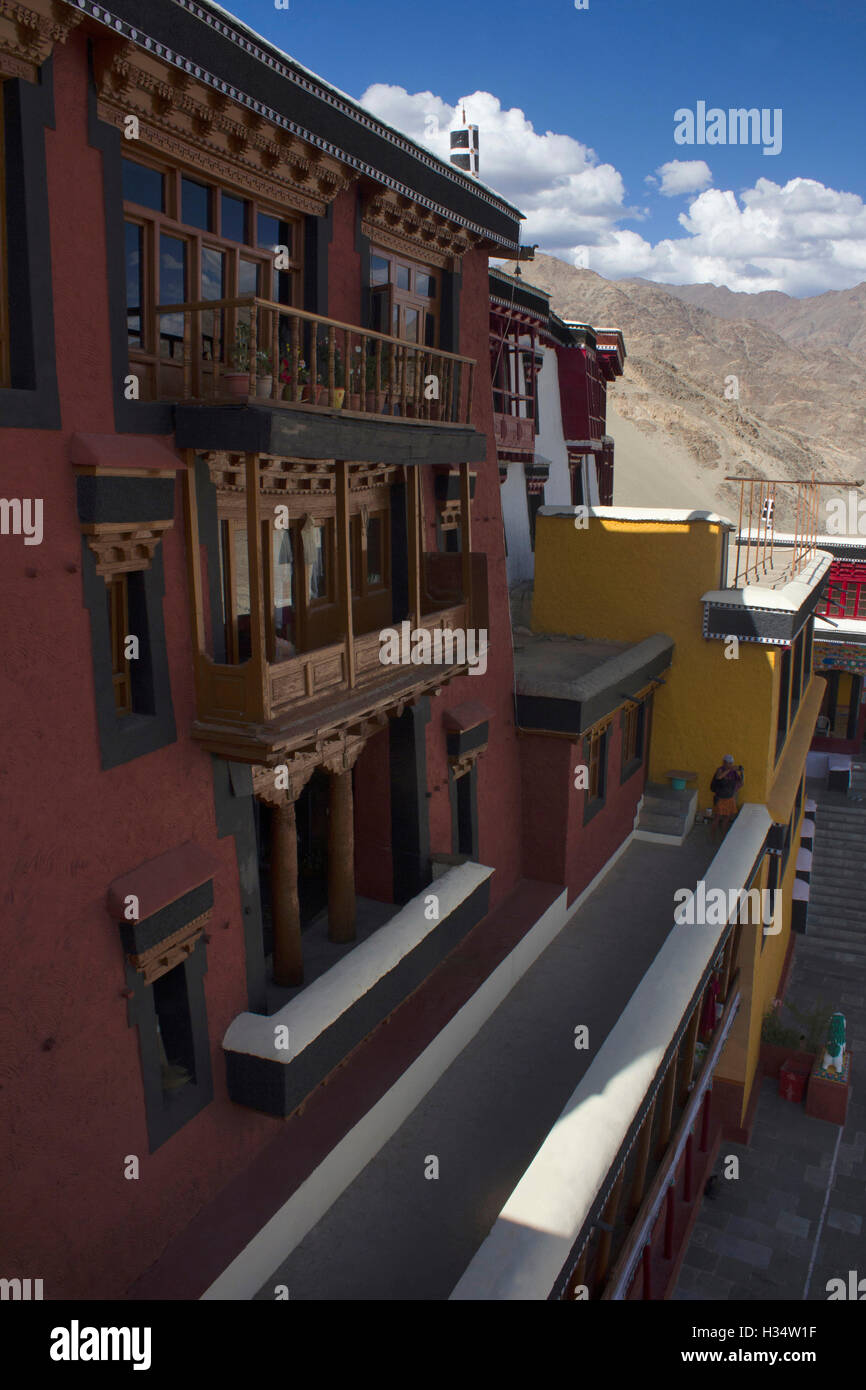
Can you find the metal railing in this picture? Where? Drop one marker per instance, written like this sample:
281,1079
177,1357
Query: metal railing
757,555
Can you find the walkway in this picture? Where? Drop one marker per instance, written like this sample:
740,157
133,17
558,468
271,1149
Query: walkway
796,1217
397,1234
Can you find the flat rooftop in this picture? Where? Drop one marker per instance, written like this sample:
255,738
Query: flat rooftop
566,684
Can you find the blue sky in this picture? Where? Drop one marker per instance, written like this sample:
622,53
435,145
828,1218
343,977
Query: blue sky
605,83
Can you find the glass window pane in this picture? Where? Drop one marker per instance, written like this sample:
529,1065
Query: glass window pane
196,204
172,290
134,251
213,280
430,330
374,553
143,186
378,270
410,326
248,277
425,284
319,570
233,220
283,564
402,277
270,231
242,593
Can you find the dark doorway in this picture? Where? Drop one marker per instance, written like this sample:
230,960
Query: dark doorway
311,818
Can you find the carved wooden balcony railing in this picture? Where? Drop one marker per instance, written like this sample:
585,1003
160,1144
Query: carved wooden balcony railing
251,349
514,433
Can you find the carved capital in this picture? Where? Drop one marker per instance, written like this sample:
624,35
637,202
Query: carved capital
122,549
170,952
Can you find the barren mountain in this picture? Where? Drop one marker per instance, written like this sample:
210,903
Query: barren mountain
801,407
836,319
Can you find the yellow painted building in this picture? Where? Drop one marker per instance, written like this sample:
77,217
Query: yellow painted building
740,682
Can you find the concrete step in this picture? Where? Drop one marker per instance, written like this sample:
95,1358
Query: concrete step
833,912
814,946
830,926
661,824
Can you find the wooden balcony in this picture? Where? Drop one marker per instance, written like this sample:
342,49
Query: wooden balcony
514,434
253,351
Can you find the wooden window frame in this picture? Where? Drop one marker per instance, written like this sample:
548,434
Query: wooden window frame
118,623
596,751
5,354
409,299
169,223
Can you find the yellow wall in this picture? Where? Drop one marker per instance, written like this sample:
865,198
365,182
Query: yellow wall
626,580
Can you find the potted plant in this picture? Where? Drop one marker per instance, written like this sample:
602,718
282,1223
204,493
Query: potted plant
264,374
237,378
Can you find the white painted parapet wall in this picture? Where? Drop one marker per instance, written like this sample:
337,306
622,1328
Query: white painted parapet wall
539,1224
323,1002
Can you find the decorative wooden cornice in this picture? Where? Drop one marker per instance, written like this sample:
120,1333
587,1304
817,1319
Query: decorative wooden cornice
464,762
28,33
295,477
396,222
167,954
181,117
123,549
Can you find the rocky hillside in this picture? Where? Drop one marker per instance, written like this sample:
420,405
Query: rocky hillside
801,406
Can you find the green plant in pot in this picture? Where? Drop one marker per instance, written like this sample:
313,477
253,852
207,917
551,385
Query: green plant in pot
264,374
237,378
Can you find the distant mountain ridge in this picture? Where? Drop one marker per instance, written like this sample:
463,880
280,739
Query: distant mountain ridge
801,406
836,318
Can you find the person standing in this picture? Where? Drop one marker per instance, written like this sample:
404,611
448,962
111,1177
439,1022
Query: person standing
727,780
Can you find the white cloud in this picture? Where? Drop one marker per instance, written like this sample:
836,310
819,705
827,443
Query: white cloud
566,194
683,176
800,237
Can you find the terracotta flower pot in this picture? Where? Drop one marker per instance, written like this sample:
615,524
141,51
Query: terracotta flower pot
354,400
236,383
376,402
264,385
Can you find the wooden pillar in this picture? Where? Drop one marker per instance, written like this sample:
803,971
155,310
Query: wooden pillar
341,858
689,1169
705,1120
608,1222
667,1105
285,907
689,1052
344,565
647,1271
413,498
260,691
670,1208
643,1148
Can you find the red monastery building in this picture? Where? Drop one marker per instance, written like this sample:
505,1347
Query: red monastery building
291,792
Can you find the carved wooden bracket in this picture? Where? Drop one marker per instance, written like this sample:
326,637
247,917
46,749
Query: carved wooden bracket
28,33
123,549
170,952
464,762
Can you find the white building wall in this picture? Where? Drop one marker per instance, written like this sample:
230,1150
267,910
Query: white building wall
549,445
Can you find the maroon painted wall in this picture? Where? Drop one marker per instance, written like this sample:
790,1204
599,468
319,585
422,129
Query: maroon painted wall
374,864
72,1087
